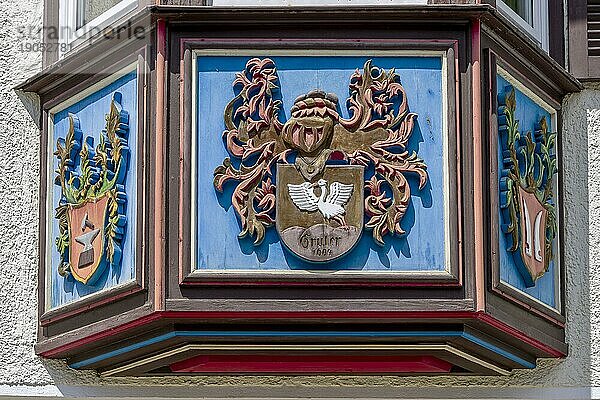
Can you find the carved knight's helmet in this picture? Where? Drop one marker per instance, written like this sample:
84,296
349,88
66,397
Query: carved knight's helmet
311,126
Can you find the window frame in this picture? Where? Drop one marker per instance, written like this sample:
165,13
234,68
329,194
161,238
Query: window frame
539,31
71,36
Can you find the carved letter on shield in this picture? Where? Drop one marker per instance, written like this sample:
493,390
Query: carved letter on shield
533,238
526,193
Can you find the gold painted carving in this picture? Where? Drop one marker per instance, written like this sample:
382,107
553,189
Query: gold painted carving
526,187
91,208
375,137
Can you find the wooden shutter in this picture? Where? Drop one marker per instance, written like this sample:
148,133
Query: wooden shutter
593,27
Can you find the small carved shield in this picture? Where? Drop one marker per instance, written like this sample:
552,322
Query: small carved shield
320,220
533,219
86,227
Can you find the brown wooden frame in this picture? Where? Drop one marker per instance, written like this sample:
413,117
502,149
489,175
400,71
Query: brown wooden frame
121,293
497,286
190,277
191,297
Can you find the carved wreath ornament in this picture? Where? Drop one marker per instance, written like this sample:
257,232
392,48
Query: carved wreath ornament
374,137
527,204
91,210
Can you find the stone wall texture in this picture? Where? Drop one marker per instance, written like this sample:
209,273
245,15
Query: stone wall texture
24,374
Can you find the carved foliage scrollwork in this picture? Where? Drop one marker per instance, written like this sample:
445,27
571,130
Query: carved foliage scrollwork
529,164
88,174
376,135
253,138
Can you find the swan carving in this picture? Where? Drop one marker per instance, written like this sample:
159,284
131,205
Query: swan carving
330,202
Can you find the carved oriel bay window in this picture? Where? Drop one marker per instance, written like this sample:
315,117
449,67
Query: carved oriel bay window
318,191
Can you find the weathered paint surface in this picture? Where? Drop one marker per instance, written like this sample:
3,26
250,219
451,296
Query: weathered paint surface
91,112
546,288
420,249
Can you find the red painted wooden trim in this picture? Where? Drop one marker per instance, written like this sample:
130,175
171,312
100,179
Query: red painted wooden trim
280,363
485,318
58,351
478,161
488,319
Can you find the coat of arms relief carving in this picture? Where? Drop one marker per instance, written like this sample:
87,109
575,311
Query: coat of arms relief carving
319,178
92,205
527,195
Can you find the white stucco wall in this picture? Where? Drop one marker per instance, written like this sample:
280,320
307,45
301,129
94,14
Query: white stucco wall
24,374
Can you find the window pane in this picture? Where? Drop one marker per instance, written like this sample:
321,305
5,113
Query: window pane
87,10
522,7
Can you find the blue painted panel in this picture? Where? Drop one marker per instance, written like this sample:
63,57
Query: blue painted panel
421,249
91,112
528,113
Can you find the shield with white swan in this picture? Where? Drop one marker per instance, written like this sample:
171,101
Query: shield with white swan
322,219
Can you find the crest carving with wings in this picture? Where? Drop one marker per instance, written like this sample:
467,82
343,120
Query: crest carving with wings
319,177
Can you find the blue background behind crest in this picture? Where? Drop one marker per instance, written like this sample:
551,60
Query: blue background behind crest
91,112
421,249
528,113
